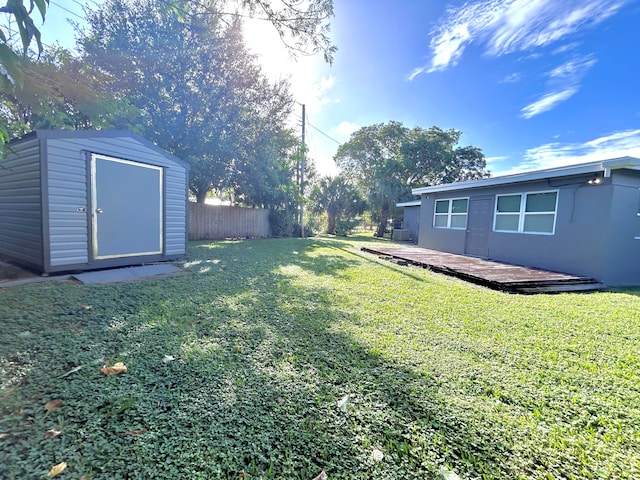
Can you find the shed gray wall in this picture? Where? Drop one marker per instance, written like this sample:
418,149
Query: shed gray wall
67,190
593,235
21,204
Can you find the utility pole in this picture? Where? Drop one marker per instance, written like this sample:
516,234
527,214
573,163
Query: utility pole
304,154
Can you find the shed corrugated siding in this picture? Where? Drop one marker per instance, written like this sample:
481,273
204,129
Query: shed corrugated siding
20,204
67,184
175,211
68,191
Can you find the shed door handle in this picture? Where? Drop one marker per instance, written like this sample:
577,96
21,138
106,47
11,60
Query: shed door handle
98,210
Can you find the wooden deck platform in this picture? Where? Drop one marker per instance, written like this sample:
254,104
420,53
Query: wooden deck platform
496,275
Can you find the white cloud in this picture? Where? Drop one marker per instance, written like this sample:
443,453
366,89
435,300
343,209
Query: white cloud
547,102
507,26
573,69
346,128
315,94
494,160
564,82
512,78
416,72
566,48
625,143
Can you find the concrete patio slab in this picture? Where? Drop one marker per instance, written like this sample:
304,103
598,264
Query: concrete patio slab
126,274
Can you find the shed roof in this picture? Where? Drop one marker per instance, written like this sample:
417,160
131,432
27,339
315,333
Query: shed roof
46,134
602,167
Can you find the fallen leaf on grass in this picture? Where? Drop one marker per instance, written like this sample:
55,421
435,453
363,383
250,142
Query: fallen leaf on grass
323,476
168,358
115,370
85,307
135,432
377,455
53,405
57,469
53,433
344,402
2,435
447,474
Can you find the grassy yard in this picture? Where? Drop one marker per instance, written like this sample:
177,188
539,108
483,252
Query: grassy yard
282,358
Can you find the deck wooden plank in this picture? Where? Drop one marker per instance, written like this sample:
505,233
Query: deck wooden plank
497,275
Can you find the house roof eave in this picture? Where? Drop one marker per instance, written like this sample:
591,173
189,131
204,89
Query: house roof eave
603,166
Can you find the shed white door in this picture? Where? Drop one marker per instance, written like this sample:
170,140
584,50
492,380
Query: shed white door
127,208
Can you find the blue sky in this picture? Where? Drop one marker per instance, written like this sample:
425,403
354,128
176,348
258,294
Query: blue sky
533,83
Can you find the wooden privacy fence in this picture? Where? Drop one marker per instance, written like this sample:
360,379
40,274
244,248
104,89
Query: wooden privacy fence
215,222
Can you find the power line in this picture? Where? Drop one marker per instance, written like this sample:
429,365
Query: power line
95,4
70,11
325,134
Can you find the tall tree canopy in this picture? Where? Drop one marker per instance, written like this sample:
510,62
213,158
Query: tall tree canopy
11,68
200,94
59,91
387,160
303,26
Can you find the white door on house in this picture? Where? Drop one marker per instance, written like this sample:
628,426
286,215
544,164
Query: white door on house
478,227
127,202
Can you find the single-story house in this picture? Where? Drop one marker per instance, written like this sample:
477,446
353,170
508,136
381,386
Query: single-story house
581,219
84,200
410,219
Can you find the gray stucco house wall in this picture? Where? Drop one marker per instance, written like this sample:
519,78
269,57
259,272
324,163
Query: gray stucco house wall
83,200
583,219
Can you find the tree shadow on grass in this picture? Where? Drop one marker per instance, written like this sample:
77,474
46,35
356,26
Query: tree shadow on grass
240,369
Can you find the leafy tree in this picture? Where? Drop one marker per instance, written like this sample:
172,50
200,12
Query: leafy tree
302,25
201,95
266,173
339,199
11,68
59,91
387,160
371,159
431,157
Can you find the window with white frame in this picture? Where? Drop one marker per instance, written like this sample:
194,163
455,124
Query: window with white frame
451,213
526,213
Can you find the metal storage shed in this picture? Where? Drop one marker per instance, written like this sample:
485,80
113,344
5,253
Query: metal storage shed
84,200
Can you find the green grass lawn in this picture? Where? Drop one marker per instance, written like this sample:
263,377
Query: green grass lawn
282,358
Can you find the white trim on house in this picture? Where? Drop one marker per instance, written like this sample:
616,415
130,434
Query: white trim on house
601,168
413,203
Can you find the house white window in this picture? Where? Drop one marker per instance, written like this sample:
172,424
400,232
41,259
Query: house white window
526,213
451,213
